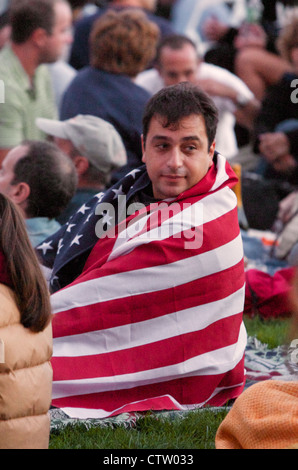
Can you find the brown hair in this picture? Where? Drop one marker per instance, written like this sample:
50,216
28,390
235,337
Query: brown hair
123,42
175,102
288,39
28,15
49,195
28,283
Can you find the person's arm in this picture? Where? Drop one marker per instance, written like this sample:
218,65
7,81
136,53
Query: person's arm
243,103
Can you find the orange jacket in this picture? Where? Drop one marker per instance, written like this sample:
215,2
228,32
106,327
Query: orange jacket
265,416
25,379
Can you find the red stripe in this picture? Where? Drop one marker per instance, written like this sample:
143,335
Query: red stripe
149,305
162,353
157,253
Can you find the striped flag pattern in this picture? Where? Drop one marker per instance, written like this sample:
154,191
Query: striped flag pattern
154,321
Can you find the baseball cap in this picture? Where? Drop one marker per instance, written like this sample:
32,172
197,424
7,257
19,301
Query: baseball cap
4,15
95,138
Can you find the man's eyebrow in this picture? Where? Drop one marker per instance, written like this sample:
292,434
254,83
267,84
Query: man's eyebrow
160,137
185,139
191,137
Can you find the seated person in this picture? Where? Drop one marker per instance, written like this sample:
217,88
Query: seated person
80,52
121,46
96,149
26,338
276,125
41,180
177,60
150,316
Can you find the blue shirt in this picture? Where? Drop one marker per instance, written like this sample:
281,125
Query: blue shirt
39,228
114,98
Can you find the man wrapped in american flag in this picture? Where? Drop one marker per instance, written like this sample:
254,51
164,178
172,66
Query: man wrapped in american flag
148,278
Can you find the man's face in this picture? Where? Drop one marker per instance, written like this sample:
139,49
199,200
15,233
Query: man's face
178,65
61,36
7,170
177,157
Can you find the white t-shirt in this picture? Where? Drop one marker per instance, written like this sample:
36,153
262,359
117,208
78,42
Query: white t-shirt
226,142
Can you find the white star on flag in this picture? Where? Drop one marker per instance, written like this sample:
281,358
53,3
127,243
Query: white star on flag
88,218
118,192
107,218
45,247
100,196
60,245
83,209
76,240
69,228
133,172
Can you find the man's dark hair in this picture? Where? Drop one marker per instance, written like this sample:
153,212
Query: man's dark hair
28,15
173,41
176,102
51,176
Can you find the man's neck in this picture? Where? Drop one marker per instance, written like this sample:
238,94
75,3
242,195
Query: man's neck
83,184
27,57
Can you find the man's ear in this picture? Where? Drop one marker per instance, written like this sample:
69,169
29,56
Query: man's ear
211,152
143,149
19,193
39,36
82,164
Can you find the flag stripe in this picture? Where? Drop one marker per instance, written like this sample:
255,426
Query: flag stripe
151,279
214,363
164,352
117,313
182,394
151,330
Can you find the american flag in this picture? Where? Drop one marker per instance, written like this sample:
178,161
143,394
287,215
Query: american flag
154,321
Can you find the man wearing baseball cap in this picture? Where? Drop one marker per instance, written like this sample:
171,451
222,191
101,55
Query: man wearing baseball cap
96,149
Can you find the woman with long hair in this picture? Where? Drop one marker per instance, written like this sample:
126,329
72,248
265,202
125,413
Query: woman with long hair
25,338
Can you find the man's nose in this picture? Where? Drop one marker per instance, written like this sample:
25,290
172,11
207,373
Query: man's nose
175,159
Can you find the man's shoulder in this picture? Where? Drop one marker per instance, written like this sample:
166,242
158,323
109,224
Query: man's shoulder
7,60
150,80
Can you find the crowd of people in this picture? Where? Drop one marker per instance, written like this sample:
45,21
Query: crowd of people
121,254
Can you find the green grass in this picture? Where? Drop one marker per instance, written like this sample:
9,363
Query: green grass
272,332
196,430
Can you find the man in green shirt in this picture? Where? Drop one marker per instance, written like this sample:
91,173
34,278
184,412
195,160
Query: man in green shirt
40,29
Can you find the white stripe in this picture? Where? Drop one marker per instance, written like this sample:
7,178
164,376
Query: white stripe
152,279
149,331
213,206
221,176
216,362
